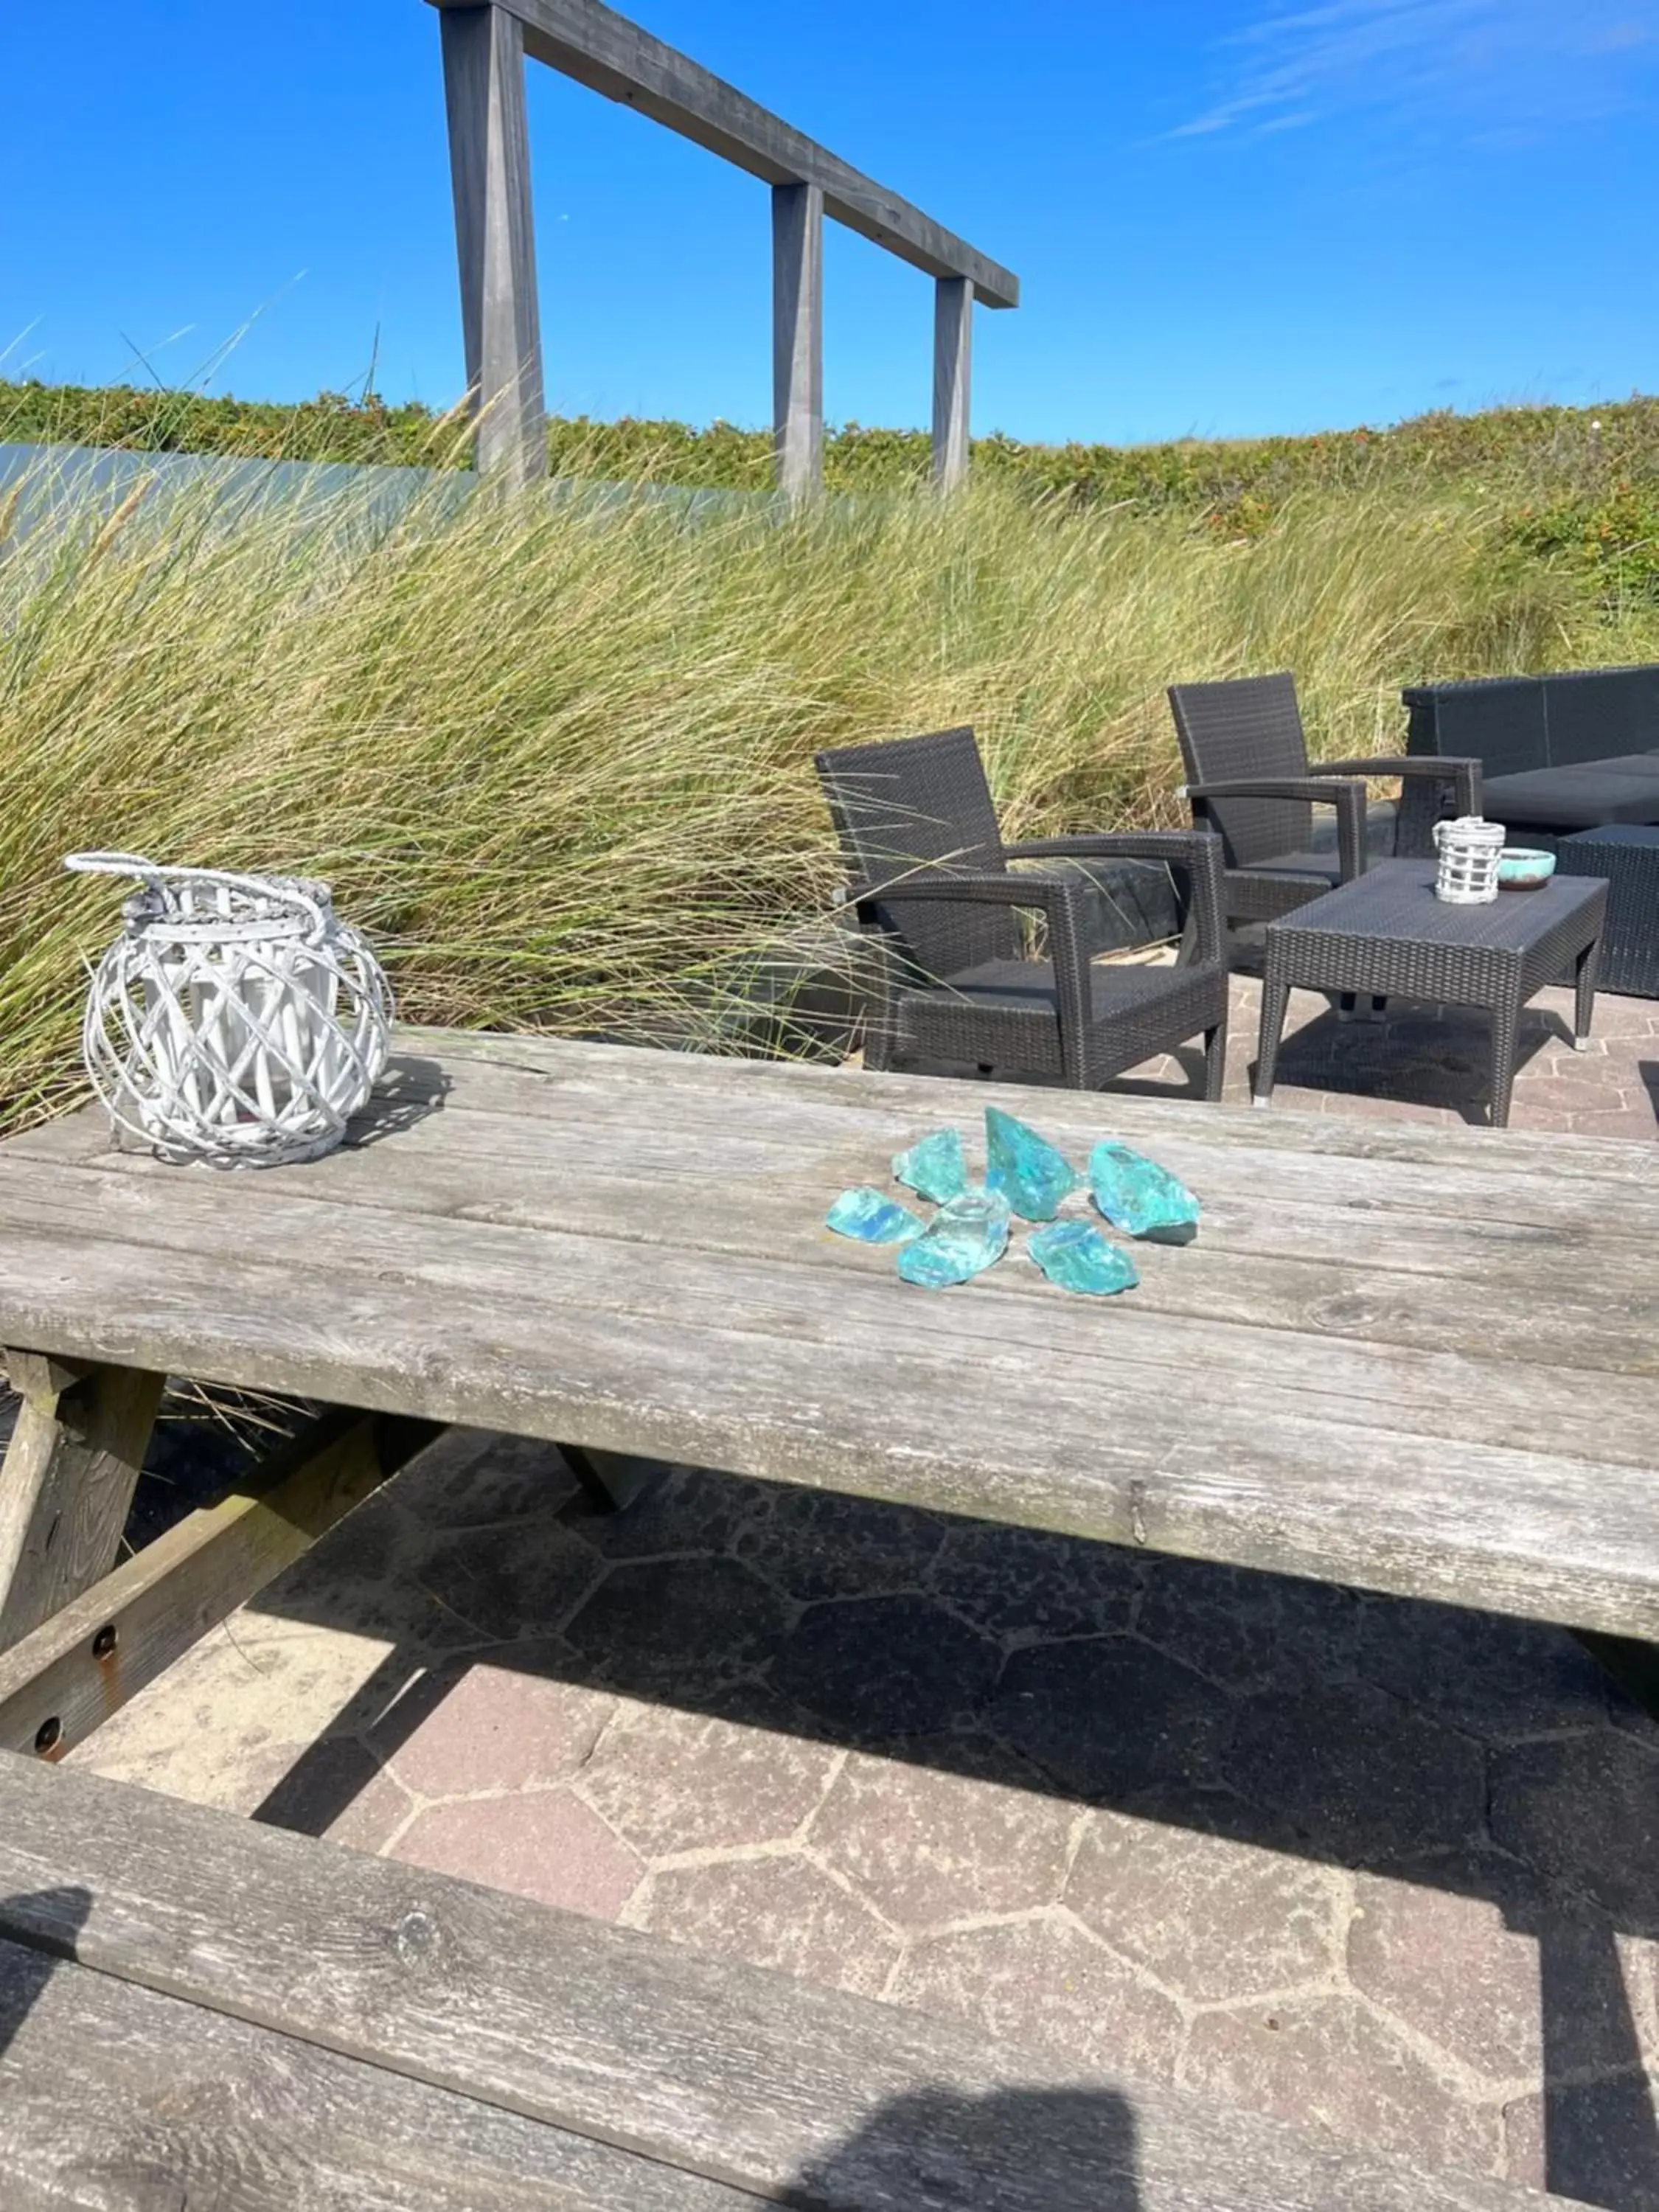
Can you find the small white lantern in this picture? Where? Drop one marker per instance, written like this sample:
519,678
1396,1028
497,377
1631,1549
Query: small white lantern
235,1019
1469,850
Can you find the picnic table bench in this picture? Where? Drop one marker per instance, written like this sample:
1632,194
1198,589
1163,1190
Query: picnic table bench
1416,1361
196,2011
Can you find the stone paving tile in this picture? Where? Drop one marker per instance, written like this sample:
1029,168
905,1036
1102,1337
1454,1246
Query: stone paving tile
1360,1775
679,1623
927,1846
1046,1980
547,1845
1108,1716
1592,2141
824,1544
495,1728
889,1666
1542,1796
1213,1918
1331,2062
773,1911
1023,1585
670,1782
1451,1948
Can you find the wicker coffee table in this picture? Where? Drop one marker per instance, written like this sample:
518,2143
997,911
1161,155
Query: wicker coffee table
1387,935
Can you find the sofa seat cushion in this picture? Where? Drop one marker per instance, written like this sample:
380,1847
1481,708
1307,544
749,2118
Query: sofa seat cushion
1573,797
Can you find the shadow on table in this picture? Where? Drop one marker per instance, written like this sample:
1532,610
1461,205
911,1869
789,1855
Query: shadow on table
1070,2150
1487,1758
59,1914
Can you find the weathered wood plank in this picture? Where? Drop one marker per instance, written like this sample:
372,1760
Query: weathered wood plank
494,237
603,51
978,1414
569,1061
798,339
57,1684
67,1481
748,2078
119,2099
953,344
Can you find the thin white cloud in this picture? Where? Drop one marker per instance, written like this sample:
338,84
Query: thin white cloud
1495,65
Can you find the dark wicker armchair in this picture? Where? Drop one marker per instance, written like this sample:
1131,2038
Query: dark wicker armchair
1249,779
930,884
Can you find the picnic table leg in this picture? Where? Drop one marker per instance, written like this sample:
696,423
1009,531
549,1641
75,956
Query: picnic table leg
609,1481
1632,1664
67,1481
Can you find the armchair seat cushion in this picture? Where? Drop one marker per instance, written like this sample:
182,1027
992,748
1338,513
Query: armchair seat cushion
1323,871
1574,798
1006,1012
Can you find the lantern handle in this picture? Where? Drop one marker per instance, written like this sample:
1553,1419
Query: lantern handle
133,863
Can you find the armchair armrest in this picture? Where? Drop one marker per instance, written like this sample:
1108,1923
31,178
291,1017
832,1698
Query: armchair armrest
1347,797
1463,774
1196,853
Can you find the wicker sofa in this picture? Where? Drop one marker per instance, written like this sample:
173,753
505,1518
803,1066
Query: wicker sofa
1558,753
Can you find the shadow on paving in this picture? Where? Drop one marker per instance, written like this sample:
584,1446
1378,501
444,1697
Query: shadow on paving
1486,1757
1074,2150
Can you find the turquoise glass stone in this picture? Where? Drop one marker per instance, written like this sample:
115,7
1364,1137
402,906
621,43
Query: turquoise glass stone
872,1217
1137,1195
1025,1167
962,1240
1075,1255
934,1168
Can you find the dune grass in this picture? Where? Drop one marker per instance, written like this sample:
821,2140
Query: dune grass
557,755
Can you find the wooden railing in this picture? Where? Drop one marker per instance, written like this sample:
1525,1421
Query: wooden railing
484,50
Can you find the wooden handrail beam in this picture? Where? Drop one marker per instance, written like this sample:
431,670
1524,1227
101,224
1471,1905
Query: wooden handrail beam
586,40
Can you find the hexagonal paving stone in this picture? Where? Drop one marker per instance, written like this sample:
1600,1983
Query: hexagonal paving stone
336,1788
1328,2062
678,1624
1211,1918
671,1781
1242,1629
547,1845
1106,1716
925,1846
820,1544
690,1509
1045,1981
1451,1947
884,1668
1496,1677
1597,2142
1025,1584
775,1911
1584,1811
488,1727
507,1584
472,1480
1359,1776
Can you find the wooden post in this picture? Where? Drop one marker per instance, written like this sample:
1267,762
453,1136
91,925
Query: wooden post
68,1479
953,347
798,337
495,244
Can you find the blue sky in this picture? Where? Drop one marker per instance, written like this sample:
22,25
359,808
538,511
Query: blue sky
1230,216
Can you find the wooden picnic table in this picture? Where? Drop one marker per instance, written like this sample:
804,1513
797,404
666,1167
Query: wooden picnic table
1410,1358
1416,1359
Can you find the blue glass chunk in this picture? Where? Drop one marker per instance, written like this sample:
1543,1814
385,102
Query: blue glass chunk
962,1240
1025,1167
872,1217
1137,1195
934,1168
1078,1257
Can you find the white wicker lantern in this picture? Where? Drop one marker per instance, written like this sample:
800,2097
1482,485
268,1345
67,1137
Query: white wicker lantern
235,1019
1470,850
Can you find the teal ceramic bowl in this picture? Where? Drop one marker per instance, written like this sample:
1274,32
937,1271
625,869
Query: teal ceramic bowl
1523,867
